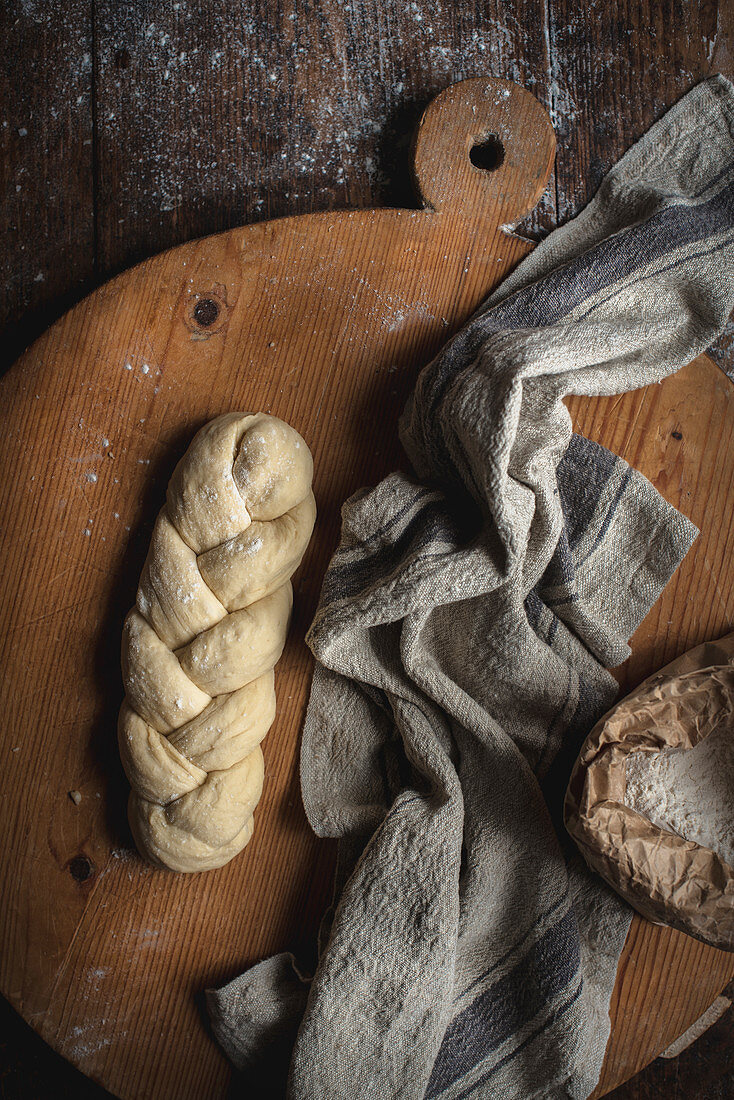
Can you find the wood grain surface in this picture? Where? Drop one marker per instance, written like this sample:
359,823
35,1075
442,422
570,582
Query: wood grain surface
126,132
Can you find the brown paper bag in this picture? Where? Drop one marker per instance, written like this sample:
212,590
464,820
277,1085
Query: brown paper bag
666,878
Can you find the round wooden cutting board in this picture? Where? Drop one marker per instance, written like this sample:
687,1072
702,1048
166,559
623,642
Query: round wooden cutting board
323,320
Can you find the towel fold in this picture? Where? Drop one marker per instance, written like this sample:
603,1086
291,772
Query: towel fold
462,639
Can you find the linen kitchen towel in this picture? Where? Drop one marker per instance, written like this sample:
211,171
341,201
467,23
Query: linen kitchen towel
465,627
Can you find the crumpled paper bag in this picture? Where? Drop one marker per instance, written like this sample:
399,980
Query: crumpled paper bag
666,878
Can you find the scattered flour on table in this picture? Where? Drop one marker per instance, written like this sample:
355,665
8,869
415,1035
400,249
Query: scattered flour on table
689,792
86,1041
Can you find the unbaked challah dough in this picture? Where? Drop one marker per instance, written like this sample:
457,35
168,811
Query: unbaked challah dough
210,621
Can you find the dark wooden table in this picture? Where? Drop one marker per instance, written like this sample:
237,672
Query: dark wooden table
127,129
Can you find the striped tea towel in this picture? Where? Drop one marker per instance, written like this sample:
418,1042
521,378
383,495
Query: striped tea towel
465,626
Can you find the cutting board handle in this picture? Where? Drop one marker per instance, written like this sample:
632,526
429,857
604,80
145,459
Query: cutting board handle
484,148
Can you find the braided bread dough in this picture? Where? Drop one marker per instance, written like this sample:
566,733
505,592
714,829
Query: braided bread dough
210,622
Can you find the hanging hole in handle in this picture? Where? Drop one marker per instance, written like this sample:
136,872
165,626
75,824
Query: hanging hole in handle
487,154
